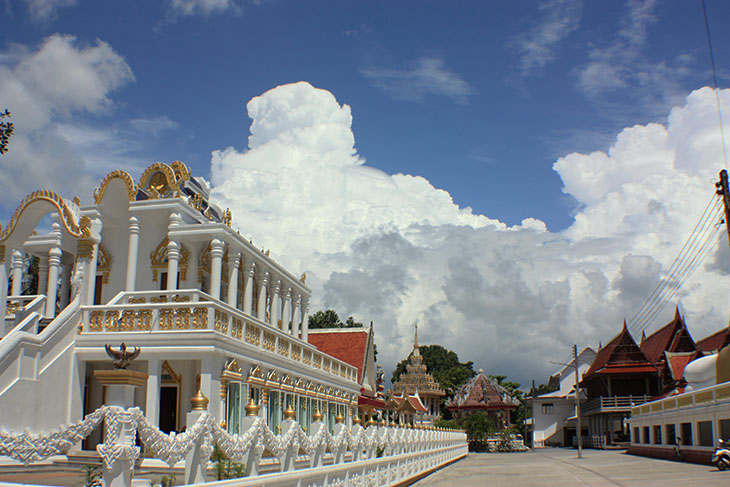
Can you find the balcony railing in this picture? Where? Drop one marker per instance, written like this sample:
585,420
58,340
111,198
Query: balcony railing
612,404
193,310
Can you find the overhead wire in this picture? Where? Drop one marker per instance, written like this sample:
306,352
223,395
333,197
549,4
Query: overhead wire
714,79
684,258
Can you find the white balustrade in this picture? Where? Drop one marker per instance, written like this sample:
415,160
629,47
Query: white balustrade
406,453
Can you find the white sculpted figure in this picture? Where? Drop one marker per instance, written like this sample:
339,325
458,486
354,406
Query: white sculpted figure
708,371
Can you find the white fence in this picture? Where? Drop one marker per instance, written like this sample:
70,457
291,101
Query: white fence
372,456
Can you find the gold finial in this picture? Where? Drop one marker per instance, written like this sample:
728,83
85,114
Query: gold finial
383,422
303,278
252,409
77,200
289,413
317,416
199,401
268,252
371,421
392,424
356,420
223,424
339,419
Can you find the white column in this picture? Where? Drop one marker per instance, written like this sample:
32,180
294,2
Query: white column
216,257
305,320
275,299
91,272
286,311
65,281
173,259
152,408
3,287
18,265
42,275
234,262
54,270
297,319
132,252
261,311
249,271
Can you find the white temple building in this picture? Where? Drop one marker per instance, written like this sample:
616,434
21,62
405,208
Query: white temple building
152,263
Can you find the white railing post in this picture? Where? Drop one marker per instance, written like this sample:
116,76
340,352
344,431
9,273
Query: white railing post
196,461
317,456
253,456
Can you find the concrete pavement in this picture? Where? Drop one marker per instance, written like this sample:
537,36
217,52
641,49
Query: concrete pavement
561,468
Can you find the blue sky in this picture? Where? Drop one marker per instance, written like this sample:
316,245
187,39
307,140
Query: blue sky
479,98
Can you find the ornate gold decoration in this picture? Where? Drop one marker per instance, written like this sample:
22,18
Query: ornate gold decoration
317,416
2,250
197,201
199,401
169,376
204,264
256,376
84,248
159,180
122,357
77,200
137,300
356,419
158,259
180,299
96,321
200,318
253,334
269,342
303,278
118,174
252,409
339,419
227,217
103,262
289,413
182,172
158,299
45,195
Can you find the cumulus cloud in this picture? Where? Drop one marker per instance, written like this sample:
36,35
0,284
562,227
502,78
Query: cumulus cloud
537,47
45,88
396,250
428,76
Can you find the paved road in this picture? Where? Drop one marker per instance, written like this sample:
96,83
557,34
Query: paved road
561,468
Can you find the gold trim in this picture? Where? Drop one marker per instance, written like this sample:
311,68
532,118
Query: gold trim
118,174
103,263
199,402
158,260
121,377
170,185
2,250
77,230
182,172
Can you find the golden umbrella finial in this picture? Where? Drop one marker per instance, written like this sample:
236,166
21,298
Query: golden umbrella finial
317,416
252,409
199,401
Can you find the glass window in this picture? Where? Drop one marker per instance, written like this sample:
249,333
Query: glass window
671,434
704,430
274,418
302,413
645,434
724,429
657,435
686,433
547,408
636,437
233,404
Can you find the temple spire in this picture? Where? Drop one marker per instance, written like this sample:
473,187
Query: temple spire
416,353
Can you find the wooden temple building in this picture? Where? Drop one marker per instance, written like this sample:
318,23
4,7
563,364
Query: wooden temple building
483,393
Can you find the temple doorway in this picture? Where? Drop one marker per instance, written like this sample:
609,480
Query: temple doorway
168,408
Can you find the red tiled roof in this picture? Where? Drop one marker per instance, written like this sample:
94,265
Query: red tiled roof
626,369
716,341
416,403
482,392
677,361
672,337
622,350
375,402
346,344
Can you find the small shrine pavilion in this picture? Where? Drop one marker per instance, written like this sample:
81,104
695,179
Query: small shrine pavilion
416,396
483,393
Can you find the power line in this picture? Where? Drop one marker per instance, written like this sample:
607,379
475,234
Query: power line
714,79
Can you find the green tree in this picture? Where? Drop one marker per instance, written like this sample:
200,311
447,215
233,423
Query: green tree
478,426
6,130
330,319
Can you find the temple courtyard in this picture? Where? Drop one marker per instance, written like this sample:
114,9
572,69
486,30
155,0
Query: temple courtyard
561,467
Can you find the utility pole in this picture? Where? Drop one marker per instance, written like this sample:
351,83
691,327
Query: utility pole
579,425
722,190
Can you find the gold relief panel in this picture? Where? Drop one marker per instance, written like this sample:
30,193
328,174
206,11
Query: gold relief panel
200,318
158,260
2,250
237,331
103,263
221,321
307,357
253,334
283,348
317,361
183,318
269,342
137,300
96,321
166,319
296,353
158,299
129,316
144,319
180,299
111,322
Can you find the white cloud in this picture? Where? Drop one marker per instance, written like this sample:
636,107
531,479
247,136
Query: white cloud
428,76
394,249
205,7
537,46
46,10
45,89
